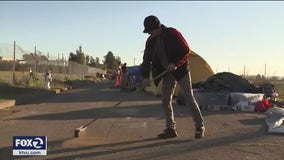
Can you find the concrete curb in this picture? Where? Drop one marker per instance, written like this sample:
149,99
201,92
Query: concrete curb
27,98
7,103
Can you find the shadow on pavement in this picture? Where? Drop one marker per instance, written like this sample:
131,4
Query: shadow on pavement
155,148
137,111
94,92
103,112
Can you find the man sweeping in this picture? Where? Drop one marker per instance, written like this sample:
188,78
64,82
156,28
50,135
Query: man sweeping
167,50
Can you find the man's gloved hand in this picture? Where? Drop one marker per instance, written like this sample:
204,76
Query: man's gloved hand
145,82
171,67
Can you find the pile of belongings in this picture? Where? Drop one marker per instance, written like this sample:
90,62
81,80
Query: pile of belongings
275,120
242,95
131,80
228,82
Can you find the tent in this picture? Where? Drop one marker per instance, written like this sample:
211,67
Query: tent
199,69
135,70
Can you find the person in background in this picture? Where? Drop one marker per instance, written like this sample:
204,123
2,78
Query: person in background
47,79
118,76
31,74
124,76
167,50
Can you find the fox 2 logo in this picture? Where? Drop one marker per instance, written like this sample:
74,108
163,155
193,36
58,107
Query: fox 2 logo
29,142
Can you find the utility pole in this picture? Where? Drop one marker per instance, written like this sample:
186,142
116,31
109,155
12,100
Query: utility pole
58,63
265,70
134,60
64,66
244,70
35,61
14,63
47,59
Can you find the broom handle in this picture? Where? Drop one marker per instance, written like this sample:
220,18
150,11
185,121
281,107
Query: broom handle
160,75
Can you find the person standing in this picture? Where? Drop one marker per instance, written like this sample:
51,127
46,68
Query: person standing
124,76
118,75
166,49
31,74
47,79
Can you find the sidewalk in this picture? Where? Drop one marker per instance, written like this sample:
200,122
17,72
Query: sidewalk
26,98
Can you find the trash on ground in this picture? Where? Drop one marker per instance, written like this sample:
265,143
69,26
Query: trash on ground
275,120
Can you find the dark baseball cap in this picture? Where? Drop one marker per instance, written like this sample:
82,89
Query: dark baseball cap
150,23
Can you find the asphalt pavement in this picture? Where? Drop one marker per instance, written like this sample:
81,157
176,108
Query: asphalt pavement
124,126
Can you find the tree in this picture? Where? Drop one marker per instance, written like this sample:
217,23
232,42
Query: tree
79,57
117,59
43,58
28,57
110,61
32,56
97,60
87,59
92,61
72,57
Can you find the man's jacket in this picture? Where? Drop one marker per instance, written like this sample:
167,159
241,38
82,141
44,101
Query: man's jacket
176,51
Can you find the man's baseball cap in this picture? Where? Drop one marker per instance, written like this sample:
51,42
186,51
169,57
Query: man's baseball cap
151,23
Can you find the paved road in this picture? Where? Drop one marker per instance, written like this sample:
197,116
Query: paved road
124,127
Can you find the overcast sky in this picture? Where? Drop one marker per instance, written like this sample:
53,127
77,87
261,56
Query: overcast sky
228,35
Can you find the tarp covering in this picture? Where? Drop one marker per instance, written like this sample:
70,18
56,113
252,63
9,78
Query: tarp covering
275,120
135,70
229,82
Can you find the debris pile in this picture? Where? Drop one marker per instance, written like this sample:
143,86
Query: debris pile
228,82
233,92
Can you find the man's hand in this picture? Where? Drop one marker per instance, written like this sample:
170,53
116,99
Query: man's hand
171,67
145,82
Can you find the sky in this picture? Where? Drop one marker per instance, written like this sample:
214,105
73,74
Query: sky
235,36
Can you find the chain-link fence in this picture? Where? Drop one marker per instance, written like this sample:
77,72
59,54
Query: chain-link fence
24,69
62,67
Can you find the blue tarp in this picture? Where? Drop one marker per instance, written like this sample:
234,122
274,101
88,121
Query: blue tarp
134,70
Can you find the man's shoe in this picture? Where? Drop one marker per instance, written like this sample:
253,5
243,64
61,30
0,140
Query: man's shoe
199,132
168,133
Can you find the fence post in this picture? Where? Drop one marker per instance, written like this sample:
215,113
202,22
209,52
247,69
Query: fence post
14,64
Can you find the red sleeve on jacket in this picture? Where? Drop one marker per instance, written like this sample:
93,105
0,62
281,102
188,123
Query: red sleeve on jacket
183,60
184,45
